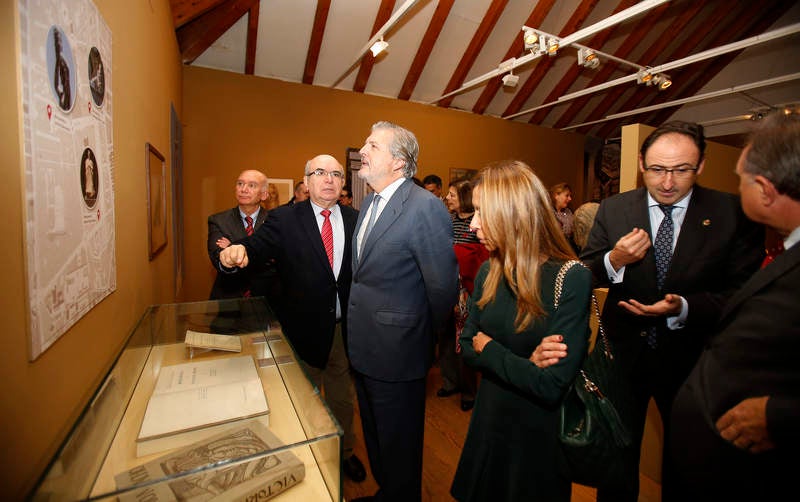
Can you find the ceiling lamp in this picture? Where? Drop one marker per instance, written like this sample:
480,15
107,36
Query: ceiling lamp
552,46
661,81
644,76
510,80
379,47
587,58
531,39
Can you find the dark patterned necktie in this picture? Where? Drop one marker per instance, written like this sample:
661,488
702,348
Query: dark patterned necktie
327,234
373,210
249,228
663,250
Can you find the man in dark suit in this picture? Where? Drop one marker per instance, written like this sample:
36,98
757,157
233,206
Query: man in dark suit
707,249
404,287
232,225
310,242
735,419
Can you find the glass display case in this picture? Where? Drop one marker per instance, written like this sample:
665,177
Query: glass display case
279,444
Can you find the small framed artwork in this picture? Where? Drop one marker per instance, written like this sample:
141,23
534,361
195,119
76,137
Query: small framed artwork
156,169
459,174
280,191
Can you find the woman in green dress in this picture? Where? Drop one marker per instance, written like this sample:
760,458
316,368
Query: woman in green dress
511,445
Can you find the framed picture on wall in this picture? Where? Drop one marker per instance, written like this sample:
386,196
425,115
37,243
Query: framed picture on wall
156,172
461,174
280,189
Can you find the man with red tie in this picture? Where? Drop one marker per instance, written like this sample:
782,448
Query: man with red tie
311,243
734,420
234,224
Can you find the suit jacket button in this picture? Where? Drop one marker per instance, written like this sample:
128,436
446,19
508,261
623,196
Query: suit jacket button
643,333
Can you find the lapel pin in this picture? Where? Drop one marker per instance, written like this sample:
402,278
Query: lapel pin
706,223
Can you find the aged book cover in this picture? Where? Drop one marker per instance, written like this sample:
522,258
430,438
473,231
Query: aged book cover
190,398
230,343
256,480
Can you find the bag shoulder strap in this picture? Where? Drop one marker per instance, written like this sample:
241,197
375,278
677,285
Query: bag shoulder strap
560,280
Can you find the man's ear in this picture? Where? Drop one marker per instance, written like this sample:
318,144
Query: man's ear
700,167
641,164
769,194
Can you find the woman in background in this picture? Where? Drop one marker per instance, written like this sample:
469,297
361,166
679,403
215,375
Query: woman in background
470,253
561,196
511,445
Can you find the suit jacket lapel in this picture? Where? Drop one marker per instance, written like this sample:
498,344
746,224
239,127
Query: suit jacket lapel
236,225
640,218
388,215
779,266
308,221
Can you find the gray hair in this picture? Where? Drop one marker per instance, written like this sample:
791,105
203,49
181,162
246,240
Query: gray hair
582,223
775,153
404,146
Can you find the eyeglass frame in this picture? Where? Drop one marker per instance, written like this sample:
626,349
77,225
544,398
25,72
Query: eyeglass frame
338,175
678,172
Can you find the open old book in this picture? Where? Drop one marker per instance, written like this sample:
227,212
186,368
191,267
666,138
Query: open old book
258,479
195,400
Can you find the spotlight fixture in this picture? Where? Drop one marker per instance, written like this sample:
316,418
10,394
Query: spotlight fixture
661,81
510,80
644,76
587,58
379,47
552,46
530,37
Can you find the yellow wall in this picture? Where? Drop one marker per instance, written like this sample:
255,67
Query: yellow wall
234,122
40,400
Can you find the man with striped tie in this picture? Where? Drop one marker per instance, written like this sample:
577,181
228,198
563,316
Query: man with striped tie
311,243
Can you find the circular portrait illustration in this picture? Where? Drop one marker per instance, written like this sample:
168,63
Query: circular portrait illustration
97,77
61,68
90,179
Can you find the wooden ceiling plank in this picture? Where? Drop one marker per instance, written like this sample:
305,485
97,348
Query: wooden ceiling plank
184,11
197,36
252,40
315,44
655,50
425,47
473,49
536,18
574,71
364,71
641,29
543,64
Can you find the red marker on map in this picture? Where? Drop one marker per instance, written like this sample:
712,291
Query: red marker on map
49,112
90,106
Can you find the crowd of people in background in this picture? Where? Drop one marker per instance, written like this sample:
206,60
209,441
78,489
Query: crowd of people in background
367,297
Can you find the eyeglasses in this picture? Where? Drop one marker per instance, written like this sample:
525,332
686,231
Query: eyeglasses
677,172
337,175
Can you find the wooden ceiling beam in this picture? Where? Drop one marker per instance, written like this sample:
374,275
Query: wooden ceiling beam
425,48
367,61
252,40
517,47
473,49
315,44
198,35
184,11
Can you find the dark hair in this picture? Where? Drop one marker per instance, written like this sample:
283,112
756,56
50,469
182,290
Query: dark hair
689,129
774,153
432,178
347,189
464,193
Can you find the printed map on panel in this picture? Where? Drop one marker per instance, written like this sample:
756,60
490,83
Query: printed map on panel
69,159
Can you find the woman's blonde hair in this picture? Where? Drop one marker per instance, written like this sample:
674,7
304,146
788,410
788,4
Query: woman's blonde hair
516,217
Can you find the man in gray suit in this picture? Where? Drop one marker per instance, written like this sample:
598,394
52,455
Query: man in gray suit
404,286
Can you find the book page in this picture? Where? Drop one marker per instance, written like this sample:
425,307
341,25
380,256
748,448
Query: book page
200,394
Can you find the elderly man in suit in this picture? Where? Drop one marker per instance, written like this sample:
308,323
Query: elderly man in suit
310,242
734,420
404,287
235,224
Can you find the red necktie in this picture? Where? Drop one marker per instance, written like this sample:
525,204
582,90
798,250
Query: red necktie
249,231
327,235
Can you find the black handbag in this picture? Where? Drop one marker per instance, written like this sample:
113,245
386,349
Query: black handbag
595,443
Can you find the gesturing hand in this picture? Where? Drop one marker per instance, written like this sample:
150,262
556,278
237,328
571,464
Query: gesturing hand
630,248
234,256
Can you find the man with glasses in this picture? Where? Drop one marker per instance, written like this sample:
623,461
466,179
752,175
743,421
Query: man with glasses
311,243
346,197
671,253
